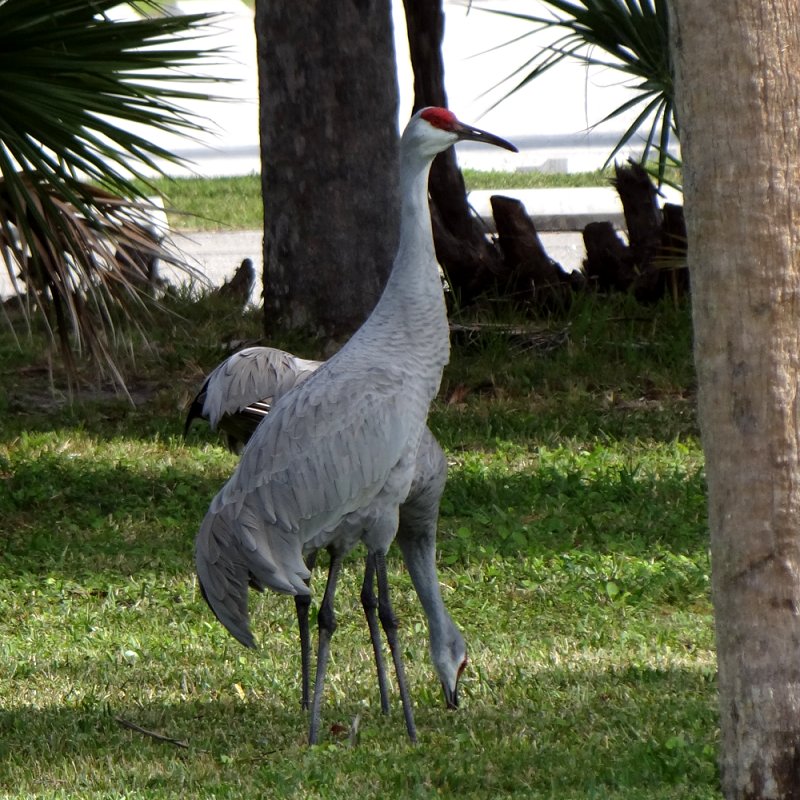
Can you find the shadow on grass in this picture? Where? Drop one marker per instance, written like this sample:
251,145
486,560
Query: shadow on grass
78,514
75,514
558,419
622,733
546,511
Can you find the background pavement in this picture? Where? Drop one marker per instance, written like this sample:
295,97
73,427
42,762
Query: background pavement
217,254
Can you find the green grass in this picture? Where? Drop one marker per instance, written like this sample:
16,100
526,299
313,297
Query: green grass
573,554
533,179
235,203
211,203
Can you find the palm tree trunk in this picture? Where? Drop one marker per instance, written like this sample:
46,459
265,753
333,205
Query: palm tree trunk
736,67
328,99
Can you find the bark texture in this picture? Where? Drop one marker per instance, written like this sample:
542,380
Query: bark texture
737,65
328,118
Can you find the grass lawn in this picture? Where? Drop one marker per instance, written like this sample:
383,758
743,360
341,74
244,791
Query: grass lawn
235,203
573,555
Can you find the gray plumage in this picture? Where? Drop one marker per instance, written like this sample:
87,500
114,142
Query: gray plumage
234,398
240,391
335,458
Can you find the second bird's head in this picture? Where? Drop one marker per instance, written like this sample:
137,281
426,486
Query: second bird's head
449,656
434,129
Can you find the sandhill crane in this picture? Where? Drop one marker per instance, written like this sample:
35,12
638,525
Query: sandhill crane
340,447
237,395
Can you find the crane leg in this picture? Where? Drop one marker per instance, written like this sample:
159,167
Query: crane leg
369,601
302,603
327,625
389,623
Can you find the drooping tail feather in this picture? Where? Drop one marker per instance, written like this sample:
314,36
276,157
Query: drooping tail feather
230,558
195,409
224,577
238,425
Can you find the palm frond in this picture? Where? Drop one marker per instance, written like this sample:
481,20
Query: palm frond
633,36
81,94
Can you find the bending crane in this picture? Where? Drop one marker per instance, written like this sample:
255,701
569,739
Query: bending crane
340,447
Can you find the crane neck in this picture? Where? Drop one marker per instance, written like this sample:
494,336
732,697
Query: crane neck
415,273
415,216
420,560
410,318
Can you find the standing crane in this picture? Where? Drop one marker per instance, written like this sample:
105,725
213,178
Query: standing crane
236,396
341,446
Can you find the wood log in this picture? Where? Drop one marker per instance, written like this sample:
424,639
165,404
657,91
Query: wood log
609,263
530,273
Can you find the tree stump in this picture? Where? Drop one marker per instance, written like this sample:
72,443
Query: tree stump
239,287
609,263
651,264
673,251
529,273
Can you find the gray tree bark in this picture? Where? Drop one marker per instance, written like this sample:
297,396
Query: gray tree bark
328,118
736,67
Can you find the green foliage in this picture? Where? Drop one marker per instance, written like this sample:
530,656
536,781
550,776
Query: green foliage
81,94
213,203
630,36
89,73
572,548
533,179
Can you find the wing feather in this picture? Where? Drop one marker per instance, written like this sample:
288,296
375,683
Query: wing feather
325,450
252,375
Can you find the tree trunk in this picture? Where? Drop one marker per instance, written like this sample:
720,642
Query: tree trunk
736,66
469,260
328,119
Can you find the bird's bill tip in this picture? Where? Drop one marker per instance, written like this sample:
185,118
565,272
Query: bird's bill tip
450,697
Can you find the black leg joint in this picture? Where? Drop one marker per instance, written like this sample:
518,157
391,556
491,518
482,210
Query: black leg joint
326,619
369,599
386,616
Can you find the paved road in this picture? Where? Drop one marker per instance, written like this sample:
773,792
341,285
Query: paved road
217,254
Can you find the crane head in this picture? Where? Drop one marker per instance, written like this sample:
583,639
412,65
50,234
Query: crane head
449,656
438,128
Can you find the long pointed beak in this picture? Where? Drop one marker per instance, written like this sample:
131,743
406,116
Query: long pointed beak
450,698
470,134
